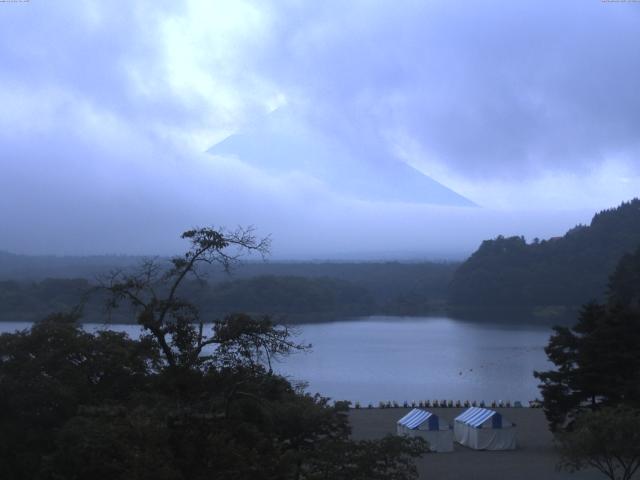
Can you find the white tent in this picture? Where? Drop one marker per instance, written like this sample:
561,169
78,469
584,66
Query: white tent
424,424
484,429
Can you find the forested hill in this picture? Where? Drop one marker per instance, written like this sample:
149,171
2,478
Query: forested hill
33,287
568,270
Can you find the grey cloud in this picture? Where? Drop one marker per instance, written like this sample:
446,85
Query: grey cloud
88,50
488,88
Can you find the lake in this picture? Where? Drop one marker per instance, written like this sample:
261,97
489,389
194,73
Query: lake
380,358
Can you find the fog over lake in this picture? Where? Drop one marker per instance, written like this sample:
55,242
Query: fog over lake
411,358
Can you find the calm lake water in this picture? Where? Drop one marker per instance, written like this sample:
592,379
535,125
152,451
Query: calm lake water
397,358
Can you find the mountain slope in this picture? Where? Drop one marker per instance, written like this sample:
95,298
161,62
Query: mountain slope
569,270
279,146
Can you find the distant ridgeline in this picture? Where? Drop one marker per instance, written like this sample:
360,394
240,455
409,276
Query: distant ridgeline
561,271
297,291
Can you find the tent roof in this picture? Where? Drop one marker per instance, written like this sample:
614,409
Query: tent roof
415,418
475,416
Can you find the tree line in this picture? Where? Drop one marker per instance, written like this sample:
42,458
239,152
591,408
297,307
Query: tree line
567,271
363,290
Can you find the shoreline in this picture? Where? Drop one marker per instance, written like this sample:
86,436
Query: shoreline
508,316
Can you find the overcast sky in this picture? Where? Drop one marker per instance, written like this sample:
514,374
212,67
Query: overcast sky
530,109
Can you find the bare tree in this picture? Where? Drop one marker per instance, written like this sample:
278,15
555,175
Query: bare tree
153,289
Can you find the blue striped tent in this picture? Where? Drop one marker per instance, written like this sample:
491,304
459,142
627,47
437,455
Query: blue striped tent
476,417
425,424
484,429
417,418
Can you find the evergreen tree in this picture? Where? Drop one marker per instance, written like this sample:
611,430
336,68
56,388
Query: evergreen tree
561,271
597,360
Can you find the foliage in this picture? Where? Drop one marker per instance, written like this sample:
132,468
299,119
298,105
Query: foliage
287,295
184,401
624,284
48,373
608,440
34,300
275,295
568,270
597,360
31,287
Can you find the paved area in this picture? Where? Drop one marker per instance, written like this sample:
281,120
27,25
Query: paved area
535,458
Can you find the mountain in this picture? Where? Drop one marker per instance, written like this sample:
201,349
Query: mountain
568,270
281,146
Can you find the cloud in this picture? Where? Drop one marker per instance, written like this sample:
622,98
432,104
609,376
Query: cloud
108,106
487,88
